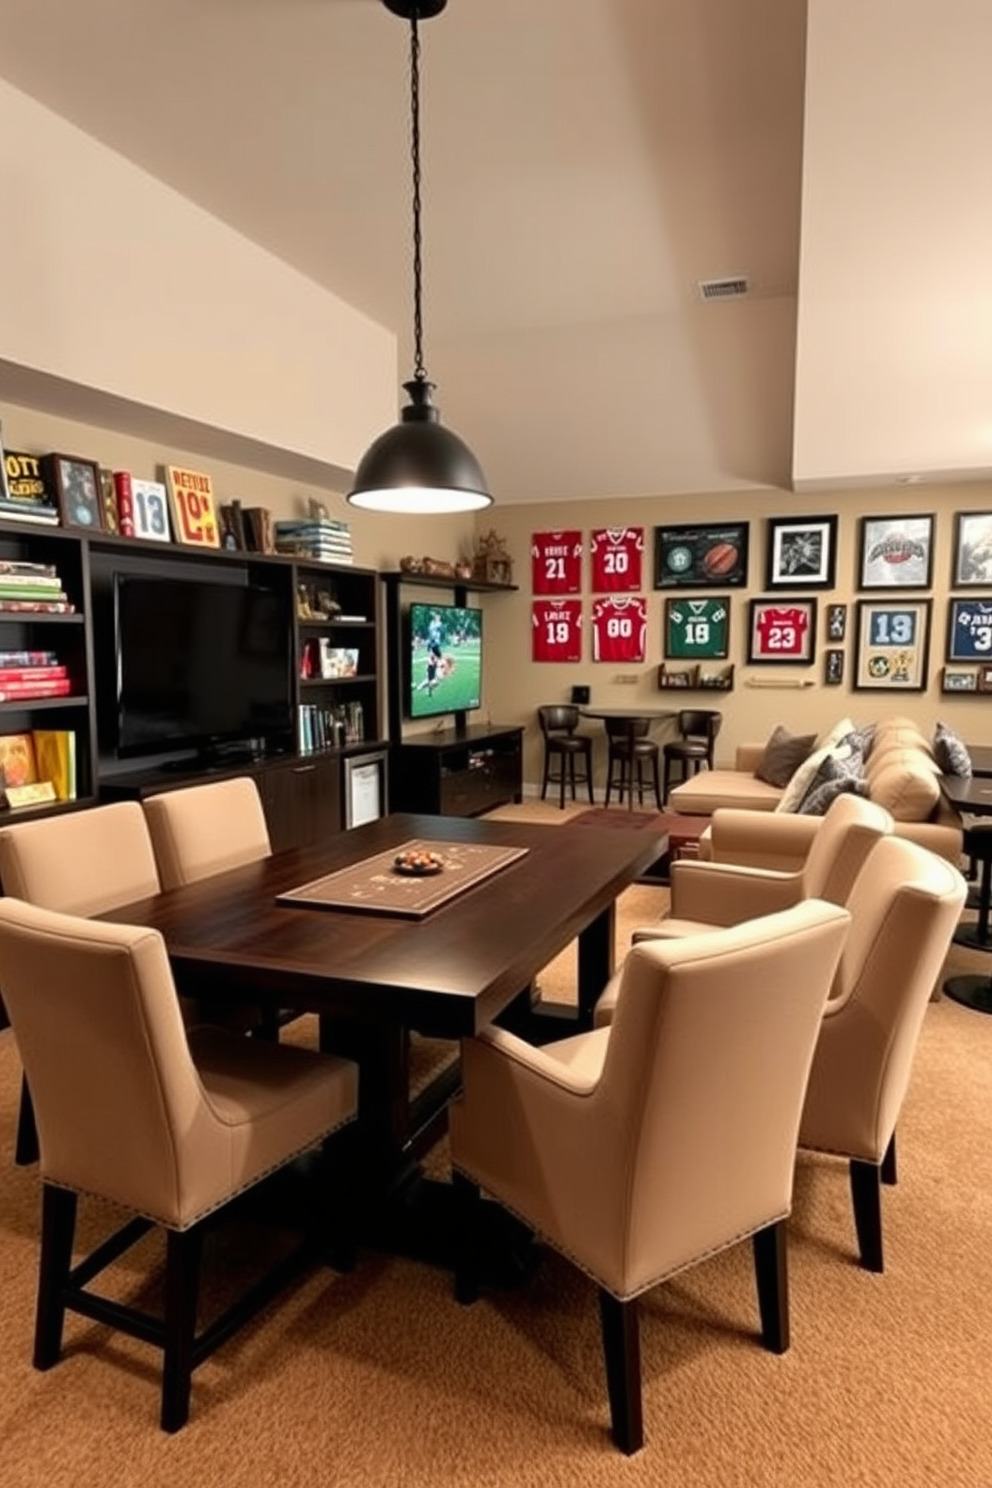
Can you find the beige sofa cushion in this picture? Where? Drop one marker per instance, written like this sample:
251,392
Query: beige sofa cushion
905,782
703,793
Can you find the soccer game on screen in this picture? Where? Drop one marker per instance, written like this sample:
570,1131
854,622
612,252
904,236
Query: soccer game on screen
445,659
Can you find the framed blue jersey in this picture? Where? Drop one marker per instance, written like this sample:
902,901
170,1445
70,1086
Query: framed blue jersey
969,630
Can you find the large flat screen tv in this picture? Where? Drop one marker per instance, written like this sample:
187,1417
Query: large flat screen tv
444,671
201,665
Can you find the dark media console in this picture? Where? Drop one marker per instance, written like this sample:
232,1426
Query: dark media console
458,771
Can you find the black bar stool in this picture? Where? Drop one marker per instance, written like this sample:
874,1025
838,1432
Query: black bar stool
562,745
629,750
693,749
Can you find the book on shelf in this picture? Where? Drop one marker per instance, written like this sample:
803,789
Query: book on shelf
11,692
258,529
28,586
55,759
191,497
18,511
53,672
29,595
19,566
36,607
28,658
125,502
108,499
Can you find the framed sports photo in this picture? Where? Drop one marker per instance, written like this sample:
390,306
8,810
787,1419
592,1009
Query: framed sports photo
701,557
833,668
959,679
836,622
782,630
896,552
893,643
969,630
972,550
801,552
697,629
76,484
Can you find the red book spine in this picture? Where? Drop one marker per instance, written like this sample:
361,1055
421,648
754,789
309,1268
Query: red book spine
31,674
125,502
59,687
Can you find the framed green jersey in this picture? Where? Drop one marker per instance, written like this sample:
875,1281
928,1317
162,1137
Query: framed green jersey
697,629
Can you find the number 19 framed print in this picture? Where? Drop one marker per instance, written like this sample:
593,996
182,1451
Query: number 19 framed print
893,644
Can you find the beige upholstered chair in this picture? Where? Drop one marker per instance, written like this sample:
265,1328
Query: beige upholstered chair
133,1109
205,829
641,1148
904,909
705,895
81,863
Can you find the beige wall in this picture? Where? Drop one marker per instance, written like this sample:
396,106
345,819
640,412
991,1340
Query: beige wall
763,695
115,283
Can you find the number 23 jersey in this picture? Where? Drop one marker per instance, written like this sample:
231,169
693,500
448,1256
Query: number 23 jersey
782,631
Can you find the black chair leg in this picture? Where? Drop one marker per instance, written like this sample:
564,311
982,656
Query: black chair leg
26,1150
58,1227
866,1194
184,1249
588,759
622,1354
771,1273
468,1202
889,1172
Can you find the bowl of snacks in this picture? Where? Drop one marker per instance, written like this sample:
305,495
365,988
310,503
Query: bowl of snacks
418,863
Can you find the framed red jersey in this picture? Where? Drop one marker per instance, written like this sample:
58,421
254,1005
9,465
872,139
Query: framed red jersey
619,629
616,554
556,562
556,630
782,630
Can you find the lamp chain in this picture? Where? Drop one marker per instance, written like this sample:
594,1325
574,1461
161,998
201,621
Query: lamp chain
419,370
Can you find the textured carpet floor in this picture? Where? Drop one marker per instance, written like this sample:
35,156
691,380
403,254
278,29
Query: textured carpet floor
377,1378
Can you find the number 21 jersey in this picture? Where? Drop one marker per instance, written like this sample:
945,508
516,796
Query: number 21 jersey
556,562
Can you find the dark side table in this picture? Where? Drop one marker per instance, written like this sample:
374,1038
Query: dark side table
974,797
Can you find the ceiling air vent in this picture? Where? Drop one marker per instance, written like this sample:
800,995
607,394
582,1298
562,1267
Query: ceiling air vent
723,289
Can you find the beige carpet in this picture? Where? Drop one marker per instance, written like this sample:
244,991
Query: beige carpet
378,1378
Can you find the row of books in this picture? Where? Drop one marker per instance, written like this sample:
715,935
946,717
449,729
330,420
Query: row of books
329,728
27,588
322,539
31,761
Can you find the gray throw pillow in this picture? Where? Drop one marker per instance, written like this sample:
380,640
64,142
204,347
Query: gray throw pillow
783,755
950,753
834,778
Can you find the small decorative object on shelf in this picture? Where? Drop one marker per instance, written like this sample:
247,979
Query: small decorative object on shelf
149,510
694,678
108,498
492,564
76,484
24,496
314,602
125,503
191,495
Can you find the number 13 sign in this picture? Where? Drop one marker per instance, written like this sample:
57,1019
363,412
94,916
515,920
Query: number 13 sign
192,501
893,642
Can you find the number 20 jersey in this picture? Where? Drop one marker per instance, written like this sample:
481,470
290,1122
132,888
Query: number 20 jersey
615,554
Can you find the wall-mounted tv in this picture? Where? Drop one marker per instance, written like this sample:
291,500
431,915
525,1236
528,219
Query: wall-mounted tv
201,664
444,672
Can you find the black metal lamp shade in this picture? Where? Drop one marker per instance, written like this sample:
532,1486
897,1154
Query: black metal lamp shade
418,466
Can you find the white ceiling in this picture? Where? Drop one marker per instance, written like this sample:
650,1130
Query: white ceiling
586,162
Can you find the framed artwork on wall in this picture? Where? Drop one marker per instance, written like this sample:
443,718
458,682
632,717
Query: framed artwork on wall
833,668
76,485
969,630
801,552
972,550
893,642
697,629
692,556
959,679
896,552
836,622
782,630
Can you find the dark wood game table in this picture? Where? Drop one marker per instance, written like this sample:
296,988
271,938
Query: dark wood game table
374,977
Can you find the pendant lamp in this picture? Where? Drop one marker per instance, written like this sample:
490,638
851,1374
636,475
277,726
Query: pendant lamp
418,466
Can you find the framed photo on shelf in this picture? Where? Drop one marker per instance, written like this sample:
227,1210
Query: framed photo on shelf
837,622
701,557
697,629
969,630
985,679
151,510
893,643
959,679
972,550
896,552
782,630
76,485
833,668
801,553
